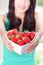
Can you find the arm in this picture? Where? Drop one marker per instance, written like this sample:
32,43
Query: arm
39,31
39,23
2,27
3,31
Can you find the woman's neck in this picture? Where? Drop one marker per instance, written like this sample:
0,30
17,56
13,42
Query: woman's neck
20,15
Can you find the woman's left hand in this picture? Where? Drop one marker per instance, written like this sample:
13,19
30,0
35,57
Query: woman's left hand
33,44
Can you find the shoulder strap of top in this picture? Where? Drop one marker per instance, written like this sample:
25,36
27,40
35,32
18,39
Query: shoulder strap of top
7,23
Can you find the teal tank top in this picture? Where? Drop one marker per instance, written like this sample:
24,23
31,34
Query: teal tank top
12,58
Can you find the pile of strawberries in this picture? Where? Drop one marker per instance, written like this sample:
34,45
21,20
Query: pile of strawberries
19,37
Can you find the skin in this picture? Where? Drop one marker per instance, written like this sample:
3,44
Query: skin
21,9
20,13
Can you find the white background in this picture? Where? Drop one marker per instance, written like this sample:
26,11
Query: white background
4,5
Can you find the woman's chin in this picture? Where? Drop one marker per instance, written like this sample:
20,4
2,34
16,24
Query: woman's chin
22,11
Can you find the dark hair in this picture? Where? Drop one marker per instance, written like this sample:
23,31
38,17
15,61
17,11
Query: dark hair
29,20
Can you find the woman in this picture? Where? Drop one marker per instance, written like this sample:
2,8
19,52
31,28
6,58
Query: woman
22,16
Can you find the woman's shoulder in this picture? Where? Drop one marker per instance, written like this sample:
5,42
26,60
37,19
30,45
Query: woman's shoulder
2,17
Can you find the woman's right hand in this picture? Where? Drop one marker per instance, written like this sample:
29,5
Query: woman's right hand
7,43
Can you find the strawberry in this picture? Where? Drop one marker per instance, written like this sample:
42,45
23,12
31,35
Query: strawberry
14,31
19,32
32,34
14,39
20,42
25,34
20,38
9,33
19,35
26,40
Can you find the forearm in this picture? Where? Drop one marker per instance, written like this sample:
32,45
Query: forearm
39,25
2,32
40,32
40,28
2,28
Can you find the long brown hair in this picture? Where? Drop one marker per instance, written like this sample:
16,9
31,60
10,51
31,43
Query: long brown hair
29,20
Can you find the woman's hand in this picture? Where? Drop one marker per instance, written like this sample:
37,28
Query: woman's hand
33,44
7,43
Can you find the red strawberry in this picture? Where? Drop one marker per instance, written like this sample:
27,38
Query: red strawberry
14,39
9,33
14,31
20,42
26,40
19,35
32,34
25,34
19,32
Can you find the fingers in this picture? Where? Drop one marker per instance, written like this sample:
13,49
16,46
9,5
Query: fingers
31,47
8,44
10,48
